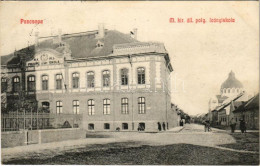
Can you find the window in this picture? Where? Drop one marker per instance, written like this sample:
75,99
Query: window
233,90
91,126
45,80
224,90
75,80
124,76
3,84
237,90
16,84
58,81
75,106
106,78
141,75
106,106
124,105
125,126
46,106
31,83
91,107
106,126
90,79
141,105
58,107
228,91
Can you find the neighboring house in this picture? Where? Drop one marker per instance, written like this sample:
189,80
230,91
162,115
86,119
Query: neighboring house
105,78
249,111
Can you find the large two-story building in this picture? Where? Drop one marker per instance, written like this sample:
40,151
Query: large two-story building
107,78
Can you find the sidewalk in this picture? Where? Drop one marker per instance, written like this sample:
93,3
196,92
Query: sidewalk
12,152
175,129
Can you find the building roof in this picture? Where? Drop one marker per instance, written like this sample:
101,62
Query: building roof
252,103
231,82
221,98
82,45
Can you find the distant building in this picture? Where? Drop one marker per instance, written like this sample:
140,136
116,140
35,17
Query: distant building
104,78
221,106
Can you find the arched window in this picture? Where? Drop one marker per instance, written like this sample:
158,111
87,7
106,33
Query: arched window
31,83
228,91
3,84
45,82
75,80
90,79
16,84
46,106
58,81
91,107
224,90
124,105
124,76
141,105
58,107
106,106
106,78
141,75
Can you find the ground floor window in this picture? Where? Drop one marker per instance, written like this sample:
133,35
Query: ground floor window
106,126
91,126
125,126
141,127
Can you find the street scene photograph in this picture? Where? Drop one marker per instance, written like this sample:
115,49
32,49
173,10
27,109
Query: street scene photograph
129,83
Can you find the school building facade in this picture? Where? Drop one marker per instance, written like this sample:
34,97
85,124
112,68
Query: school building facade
105,78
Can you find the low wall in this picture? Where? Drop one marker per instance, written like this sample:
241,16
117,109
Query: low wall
19,138
12,138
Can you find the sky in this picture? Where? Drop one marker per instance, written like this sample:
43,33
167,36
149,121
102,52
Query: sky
202,54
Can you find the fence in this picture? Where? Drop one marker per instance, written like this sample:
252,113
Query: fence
15,121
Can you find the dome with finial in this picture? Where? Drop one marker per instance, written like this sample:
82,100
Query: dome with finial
231,82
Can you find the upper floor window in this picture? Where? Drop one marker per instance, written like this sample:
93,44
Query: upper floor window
3,84
106,78
75,80
228,91
141,105
45,80
16,84
75,106
124,105
58,81
58,107
90,79
124,76
106,106
31,83
141,75
91,107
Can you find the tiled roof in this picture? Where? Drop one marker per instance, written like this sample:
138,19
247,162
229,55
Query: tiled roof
252,103
82,45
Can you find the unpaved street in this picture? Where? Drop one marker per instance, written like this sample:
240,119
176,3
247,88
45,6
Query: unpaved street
191,145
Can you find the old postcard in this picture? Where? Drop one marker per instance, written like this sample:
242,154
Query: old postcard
130,83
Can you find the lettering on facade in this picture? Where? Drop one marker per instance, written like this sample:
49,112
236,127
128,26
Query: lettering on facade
45,58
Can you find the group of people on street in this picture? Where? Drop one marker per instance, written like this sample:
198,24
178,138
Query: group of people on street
242,125
232,123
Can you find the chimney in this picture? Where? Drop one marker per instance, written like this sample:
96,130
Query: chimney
36,38
59,36
101,31
135,33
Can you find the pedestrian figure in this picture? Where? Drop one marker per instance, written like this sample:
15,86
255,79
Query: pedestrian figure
242,126
232,125
163,126
181,122
159,126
